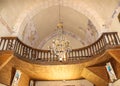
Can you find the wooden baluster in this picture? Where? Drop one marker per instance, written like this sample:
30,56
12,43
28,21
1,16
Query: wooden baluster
10,44
117,40
68,55
38,57
7,45
18,46
44,56
93,49
84,50
72,54
100,45
15,46
36,54
0,41
88,53
108,39
78,54
21,53
28,52
39,52
41,55
75,54
32,54
24,52
50,56
14,43
21,50
81,52
73,58
97,47
112,39
3,44
105,41
87,49
47,55
31,51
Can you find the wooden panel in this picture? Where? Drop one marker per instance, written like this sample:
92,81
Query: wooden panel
24,80
89,75
100,71
115,53
7,74
116,67
4,59
56,72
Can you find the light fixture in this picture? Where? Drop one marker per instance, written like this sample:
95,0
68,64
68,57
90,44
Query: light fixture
60,45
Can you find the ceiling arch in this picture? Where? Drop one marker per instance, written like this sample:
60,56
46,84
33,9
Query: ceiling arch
65,32
78,6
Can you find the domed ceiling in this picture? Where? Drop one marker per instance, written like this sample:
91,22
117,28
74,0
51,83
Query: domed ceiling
77,28
34,21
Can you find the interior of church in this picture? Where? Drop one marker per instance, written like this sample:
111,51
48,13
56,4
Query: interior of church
59,42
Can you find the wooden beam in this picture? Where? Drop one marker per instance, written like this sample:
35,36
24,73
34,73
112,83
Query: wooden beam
4,59
115,53
93,77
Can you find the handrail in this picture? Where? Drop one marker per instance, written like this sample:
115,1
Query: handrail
20,49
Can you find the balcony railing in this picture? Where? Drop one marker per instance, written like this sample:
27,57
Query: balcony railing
23,51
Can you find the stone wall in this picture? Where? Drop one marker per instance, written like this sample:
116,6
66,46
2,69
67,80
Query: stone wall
64,83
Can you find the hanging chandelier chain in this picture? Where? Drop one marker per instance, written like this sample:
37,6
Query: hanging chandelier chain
59,12
60,46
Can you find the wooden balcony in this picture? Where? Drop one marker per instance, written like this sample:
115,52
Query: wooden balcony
25,52
88,62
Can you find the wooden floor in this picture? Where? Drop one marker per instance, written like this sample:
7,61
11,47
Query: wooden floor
92,70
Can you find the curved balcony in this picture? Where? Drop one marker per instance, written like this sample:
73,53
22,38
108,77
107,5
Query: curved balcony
27,53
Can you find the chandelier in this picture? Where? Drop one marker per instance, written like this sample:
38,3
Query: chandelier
60,45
